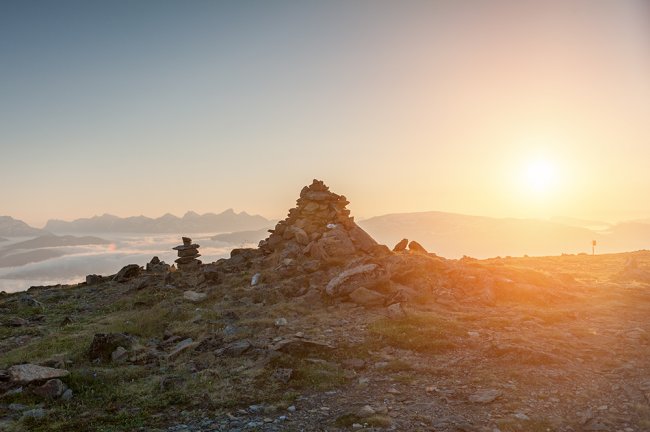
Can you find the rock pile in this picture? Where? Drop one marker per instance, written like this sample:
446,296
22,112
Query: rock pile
319,228
187,255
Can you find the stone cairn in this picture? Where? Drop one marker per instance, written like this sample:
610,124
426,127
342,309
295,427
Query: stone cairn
318,228
187,255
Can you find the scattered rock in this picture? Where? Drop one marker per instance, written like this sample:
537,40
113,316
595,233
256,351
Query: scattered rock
119,354
255,279
157,266
30,301
401,246
16,322
396,311
127,273
66,321
182,346
17,407
236,349
417,247
281,322
104,344
485,396
67,395
26,373
51,389
282,375
366,297
194,296
300,346
365,411
94,279
354,363
36,413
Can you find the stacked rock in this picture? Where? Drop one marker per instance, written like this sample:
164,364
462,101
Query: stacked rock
187,255
319,227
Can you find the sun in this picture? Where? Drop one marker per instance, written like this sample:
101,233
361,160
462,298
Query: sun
540,176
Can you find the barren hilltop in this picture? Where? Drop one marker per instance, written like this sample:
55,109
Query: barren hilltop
322,328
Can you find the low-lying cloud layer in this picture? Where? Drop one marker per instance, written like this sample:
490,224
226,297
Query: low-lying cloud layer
79,261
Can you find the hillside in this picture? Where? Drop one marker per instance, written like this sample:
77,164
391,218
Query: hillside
190,223
323,328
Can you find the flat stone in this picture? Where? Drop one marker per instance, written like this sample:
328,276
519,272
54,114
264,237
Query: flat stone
186,247
237,348
365,411
26,373
36,413
194,296
188,252
182,346
186,259
485,396
297,346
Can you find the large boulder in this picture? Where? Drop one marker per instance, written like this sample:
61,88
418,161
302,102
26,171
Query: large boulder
26,373
52,389
104,344
127,273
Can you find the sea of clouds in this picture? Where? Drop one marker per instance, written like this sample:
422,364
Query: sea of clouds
79,261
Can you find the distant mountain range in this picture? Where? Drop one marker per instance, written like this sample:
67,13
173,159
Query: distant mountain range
447,234
191,222
11,227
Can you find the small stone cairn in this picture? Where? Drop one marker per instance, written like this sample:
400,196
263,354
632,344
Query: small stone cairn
187,255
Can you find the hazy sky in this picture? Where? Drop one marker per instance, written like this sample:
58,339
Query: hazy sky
502,108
